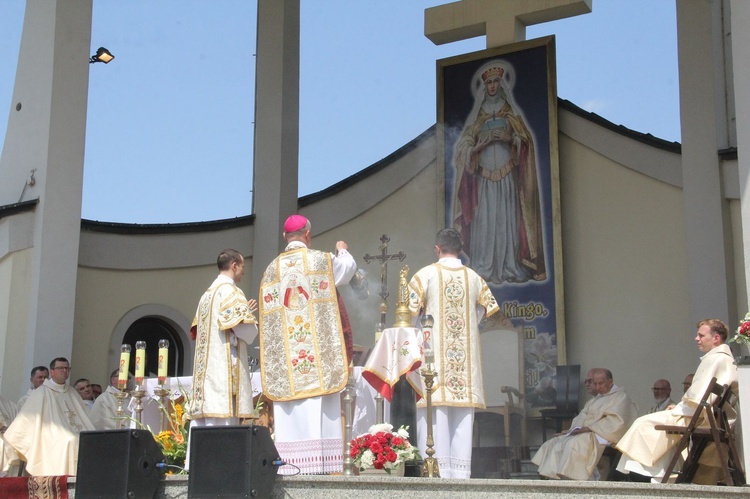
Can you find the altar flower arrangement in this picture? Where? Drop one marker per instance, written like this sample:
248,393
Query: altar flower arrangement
382,448
173,440
743,331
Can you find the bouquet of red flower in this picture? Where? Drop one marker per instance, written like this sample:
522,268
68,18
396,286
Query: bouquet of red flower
743,331
382,448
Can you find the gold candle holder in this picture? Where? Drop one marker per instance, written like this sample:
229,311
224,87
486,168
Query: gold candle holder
350,396
138,395
163,395
430,467
120,396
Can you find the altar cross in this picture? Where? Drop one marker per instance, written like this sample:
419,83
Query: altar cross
502,21
384,258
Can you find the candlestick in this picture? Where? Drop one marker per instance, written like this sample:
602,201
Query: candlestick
140,362
122,373
163,361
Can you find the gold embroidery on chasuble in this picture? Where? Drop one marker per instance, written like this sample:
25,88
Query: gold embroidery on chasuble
216,378
456,353
301,339
450,295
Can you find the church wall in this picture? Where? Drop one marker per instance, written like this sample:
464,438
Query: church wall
626,283
15,281
408,217
105,297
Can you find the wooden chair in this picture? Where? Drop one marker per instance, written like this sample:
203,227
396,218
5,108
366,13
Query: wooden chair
696,438
567,388
503,372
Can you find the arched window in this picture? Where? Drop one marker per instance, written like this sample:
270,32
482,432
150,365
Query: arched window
152,330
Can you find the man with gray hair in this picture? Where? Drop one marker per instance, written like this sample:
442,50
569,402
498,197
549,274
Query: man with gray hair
662,391
603,420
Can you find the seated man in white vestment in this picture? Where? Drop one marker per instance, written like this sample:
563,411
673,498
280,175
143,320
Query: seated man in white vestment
8,411
302,325
647,451
45,431
104,412
38,375
459,388
223,326
574,454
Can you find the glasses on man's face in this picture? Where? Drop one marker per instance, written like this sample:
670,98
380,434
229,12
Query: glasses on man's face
588,381
61,368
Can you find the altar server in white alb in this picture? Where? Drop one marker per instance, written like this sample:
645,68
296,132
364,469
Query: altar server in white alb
457,298
224,325
303,349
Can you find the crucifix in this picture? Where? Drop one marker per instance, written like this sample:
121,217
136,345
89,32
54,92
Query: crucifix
384,258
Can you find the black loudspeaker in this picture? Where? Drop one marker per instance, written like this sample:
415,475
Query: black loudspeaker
231,462
117,463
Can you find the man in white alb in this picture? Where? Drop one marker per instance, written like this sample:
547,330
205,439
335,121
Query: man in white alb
104,412
573,455
38,375
457,298
647,451
224,325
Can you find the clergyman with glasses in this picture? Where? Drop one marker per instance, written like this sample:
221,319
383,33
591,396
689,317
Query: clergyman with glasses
45,431
662,400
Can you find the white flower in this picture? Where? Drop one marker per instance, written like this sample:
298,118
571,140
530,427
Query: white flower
367,459
386,427
403,433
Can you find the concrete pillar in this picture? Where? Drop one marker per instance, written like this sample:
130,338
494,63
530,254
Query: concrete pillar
46,133
700,52
276,157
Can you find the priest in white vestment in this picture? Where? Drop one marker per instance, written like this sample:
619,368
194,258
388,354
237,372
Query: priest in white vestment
8,411
604,419
224,324
457,298
647,451
305,349
45,431
104,412
38,375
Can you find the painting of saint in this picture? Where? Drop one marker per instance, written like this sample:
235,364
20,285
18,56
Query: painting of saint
497,206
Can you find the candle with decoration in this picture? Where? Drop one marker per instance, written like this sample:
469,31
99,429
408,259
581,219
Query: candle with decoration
140,362
163,361
122,373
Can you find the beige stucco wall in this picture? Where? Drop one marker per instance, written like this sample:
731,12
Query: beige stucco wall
627,304
15,281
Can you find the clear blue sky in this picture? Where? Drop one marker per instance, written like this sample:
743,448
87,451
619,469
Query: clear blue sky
174,110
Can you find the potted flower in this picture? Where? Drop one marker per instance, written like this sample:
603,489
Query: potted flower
742,337
381,448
